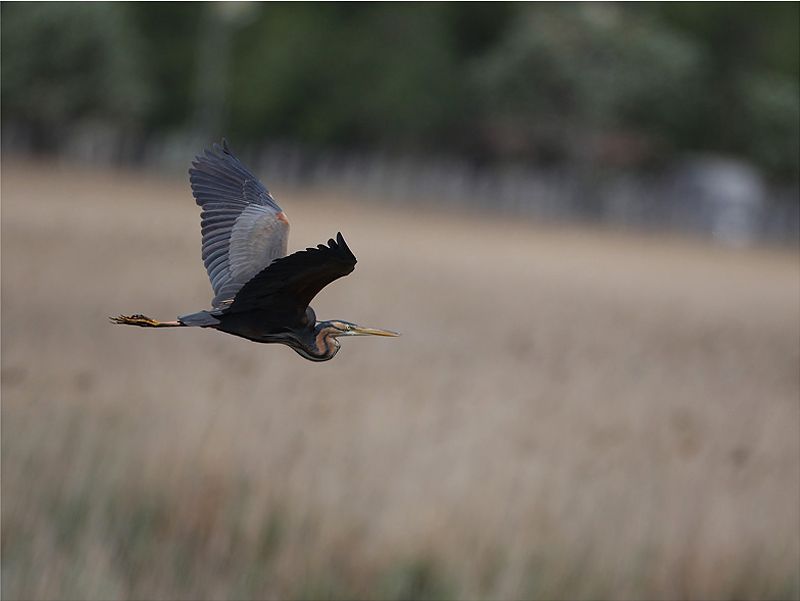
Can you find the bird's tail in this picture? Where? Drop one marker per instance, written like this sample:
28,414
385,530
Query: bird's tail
144,322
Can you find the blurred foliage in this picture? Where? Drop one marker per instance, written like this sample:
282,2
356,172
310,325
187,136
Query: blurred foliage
614,83
62,62
563,78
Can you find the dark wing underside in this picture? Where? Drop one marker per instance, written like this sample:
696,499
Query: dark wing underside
243,227
285,288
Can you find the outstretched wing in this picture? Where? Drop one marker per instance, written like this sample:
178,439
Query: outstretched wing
286,287
243,227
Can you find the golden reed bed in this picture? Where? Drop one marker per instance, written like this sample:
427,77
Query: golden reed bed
569,413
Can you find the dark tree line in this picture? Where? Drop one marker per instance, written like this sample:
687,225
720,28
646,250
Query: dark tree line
618,84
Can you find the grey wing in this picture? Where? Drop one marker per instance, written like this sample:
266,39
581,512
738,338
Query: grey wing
243,227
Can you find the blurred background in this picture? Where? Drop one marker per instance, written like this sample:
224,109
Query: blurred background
584,219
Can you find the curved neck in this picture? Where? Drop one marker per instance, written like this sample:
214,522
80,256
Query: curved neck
317,343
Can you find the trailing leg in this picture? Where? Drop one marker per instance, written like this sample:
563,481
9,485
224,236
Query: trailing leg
144,322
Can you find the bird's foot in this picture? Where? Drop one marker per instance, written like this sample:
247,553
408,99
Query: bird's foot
135,320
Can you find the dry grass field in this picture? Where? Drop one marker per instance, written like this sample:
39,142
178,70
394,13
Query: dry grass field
569,413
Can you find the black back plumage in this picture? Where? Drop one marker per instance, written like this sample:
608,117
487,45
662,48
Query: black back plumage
285,288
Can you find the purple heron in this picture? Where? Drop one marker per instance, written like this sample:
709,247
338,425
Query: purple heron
260,293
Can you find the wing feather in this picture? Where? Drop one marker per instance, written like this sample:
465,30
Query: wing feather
240,228
286,287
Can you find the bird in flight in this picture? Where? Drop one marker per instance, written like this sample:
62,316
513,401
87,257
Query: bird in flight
260,293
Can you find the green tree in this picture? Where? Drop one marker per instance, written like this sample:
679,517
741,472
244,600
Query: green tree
64,62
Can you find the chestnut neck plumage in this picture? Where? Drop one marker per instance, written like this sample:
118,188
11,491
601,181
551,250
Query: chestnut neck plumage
317,343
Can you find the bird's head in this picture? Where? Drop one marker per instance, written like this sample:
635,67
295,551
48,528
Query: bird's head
326,333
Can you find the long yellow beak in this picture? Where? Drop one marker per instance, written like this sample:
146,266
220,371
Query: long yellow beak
359,331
